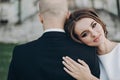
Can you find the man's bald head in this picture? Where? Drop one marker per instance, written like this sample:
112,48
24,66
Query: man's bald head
53,7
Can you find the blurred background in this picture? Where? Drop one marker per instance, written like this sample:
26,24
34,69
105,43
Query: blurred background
19,23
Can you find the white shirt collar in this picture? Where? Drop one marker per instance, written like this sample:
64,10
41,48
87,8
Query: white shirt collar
55,29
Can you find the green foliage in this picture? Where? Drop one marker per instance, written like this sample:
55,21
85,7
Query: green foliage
5,57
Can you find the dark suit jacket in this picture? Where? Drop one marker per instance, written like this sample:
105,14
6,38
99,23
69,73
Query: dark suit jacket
42,58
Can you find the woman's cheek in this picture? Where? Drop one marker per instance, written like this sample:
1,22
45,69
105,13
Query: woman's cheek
87,41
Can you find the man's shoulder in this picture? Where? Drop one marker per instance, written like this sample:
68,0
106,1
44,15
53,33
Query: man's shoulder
26,46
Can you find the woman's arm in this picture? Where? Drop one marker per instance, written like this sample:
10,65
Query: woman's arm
80,71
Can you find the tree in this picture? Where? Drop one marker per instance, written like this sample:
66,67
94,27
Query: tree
118,7
19,12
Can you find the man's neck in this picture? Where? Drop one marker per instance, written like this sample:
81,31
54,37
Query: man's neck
48,24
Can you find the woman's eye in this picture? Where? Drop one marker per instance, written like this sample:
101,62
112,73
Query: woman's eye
94,25
84,35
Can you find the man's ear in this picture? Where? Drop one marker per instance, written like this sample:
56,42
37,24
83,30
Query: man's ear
68,14
41,18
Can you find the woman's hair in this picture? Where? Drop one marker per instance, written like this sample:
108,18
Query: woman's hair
76,16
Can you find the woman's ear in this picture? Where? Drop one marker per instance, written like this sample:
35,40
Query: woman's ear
68,14
41,18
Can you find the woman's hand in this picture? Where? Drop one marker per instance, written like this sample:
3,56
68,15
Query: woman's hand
79,71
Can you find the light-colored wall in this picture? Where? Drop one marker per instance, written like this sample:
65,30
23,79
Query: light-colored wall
28,8
109,5
9,11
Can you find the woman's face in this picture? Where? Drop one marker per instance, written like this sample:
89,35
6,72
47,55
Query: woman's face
89,32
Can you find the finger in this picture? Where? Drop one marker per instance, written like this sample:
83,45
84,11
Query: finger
71,64
69,72
68,66
82,62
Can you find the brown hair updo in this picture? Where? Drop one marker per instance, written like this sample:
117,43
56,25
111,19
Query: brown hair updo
76,16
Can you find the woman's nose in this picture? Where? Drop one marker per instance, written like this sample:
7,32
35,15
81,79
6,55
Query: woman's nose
94,33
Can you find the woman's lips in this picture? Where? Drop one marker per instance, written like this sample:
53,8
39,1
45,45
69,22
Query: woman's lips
97,39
